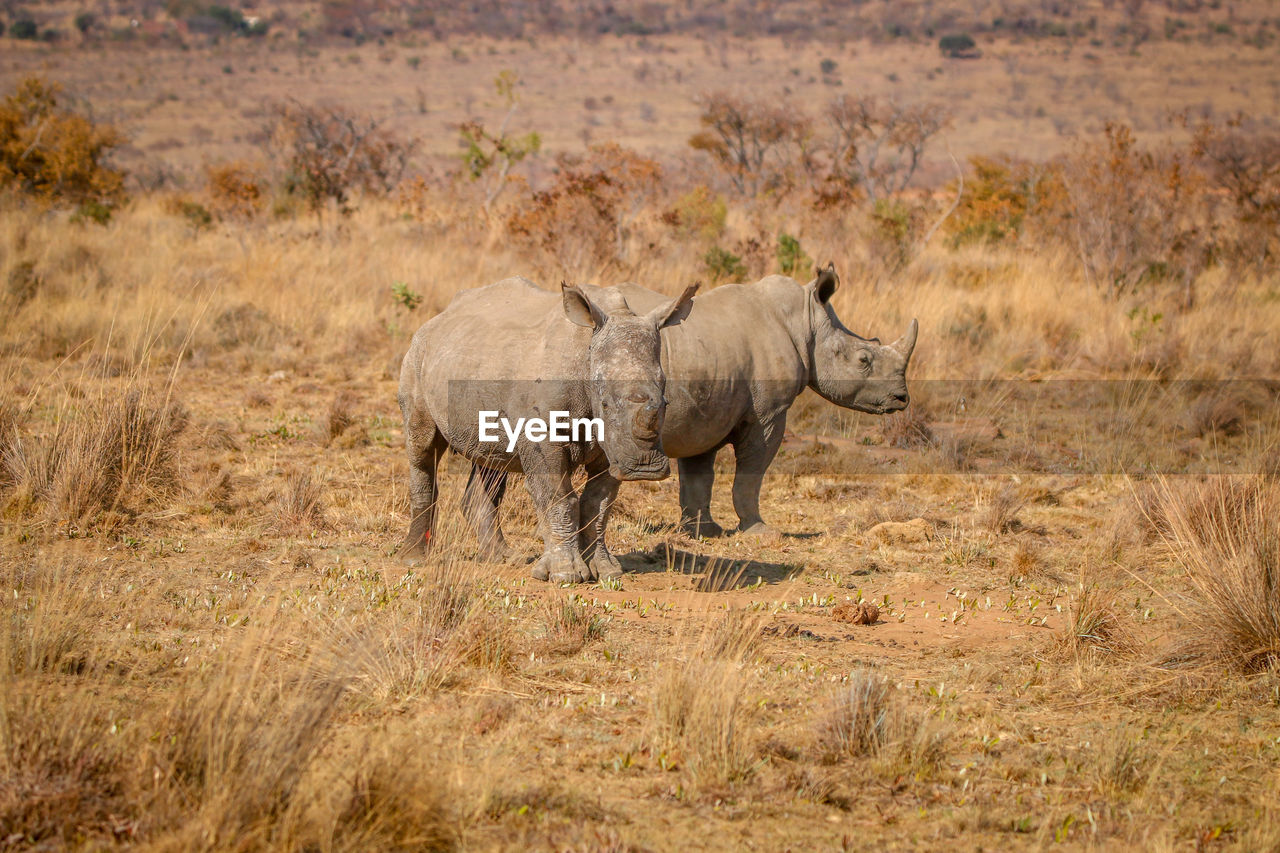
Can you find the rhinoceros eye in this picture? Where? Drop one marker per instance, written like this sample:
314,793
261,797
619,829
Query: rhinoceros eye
864,361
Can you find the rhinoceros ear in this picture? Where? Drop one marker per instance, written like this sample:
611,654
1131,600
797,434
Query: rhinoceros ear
579,309
675,310
826,283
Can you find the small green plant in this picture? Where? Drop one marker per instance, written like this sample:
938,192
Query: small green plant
404,296
722,265
196,214
92,211
791,257
24,28
828,66
958,46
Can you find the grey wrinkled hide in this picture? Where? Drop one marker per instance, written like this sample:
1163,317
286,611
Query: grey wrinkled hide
736,366
522,351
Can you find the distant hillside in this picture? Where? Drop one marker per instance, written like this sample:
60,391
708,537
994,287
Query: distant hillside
1105,22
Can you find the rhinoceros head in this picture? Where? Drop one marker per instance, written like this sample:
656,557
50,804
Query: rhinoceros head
851,371
626,380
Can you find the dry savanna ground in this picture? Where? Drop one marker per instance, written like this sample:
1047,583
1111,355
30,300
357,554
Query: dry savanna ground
1031,610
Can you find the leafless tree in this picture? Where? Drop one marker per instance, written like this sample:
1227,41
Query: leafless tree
877,145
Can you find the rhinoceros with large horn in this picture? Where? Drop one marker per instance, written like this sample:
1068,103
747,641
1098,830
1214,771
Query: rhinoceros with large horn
513,350
735,367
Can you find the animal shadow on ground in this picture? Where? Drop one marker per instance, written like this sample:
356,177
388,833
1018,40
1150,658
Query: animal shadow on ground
711,573
656,528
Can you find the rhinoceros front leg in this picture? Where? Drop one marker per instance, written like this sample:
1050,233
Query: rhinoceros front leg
480,502
754,447
557,506
597,499
697,476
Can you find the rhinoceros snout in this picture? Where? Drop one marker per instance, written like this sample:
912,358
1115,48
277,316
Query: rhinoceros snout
897,402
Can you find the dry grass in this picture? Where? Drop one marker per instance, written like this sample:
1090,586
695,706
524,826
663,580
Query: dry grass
701,709
856,720
1225,535
205,643
569,624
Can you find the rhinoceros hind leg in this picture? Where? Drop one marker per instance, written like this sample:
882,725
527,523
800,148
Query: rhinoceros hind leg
425,445
485,488
697,476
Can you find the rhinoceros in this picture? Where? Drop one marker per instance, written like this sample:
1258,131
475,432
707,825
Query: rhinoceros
736,366
518,351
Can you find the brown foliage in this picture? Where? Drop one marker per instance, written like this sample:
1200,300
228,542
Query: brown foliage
52,153
1244,163
329,152
236,190
749,139
583,221
1135,214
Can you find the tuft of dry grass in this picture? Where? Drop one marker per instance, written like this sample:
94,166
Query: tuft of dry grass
1225,533
422,642
341,416
1092,626
1120,763
394,801
300,504
62,782
237,744
1001,515
114,456
49,620
568,624
701,712
909,428
856,720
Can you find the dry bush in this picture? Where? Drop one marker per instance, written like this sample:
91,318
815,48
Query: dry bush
328,153
856,720
583,221
1225,534
751,140
111,458
907,428
300,504
236,190
52,153
569,624
1004,199
1243,162
1136,215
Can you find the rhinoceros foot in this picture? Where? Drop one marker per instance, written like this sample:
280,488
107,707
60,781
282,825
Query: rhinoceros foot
604,565
494,552
702,528
562,566
760,531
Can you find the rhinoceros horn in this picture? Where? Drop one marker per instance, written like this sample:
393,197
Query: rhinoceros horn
907,343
